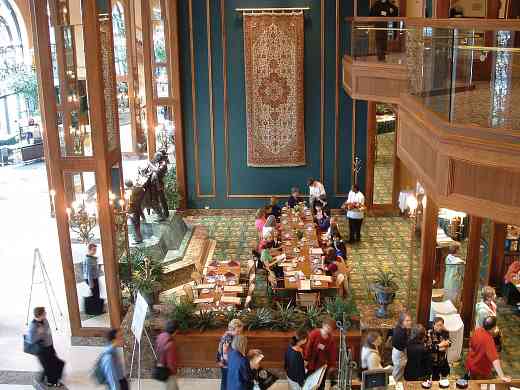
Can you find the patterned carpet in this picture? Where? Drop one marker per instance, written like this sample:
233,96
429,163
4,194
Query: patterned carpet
385,243
384,168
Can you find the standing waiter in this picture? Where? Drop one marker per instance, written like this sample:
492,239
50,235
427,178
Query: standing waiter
382,8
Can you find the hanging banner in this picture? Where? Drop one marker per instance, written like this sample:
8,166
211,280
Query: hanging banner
273,50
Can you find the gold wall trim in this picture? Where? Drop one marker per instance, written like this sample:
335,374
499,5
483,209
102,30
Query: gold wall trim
337,69
322,86
194,104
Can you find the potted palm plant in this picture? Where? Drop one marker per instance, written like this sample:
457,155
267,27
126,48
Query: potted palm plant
384,288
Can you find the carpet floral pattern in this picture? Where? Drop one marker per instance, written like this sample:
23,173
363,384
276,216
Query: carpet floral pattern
385,243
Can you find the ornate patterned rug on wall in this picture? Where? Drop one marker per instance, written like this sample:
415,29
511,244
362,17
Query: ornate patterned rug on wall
273,49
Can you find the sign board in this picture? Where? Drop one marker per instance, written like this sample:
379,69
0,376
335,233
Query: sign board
140,311
313,381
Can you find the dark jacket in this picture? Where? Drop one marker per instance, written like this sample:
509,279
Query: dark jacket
419,363
400,338
292,201
381,9
240,375
294,366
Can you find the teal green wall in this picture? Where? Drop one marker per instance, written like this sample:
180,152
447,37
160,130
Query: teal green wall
245,181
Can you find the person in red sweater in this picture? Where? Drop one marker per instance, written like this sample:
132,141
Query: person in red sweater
167,354
483,355
321,349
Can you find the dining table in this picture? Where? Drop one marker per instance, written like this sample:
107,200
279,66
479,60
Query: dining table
301,257
220,288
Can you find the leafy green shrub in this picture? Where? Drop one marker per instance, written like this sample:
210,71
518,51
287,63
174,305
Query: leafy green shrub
311,317
182,314
205,319
285,317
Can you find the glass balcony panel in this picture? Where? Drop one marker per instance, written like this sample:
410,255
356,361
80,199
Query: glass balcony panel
466,76
379,41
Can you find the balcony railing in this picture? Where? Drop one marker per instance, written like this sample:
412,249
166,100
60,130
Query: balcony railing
378,39
466,70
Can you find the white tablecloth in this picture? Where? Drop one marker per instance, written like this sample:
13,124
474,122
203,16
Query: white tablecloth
403,196
453,323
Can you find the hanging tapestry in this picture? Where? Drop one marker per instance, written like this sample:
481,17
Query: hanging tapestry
273,47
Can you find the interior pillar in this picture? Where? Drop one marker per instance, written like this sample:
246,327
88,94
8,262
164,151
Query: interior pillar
428,247
497,249
471,274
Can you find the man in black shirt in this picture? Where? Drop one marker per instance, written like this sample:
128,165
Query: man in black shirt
382,8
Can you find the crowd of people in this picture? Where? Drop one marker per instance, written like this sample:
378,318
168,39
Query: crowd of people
421,355
417,353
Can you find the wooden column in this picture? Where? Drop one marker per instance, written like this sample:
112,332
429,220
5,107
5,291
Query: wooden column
42,55
172,26
428,246
471,274
497,249
442,10
371,153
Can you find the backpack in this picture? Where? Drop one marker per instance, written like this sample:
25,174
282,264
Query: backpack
98,373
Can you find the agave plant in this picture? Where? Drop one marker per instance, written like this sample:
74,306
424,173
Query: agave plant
285,317
310,318
227,315
205,320
259,319
386,279
337,307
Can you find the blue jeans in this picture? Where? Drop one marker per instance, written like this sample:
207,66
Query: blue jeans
223,381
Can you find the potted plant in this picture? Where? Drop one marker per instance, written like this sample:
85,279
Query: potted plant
146,279
384,288
340,309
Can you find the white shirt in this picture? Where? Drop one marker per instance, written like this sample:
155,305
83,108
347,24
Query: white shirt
316,190
356,197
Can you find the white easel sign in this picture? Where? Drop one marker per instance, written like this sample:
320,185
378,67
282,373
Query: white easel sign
140,311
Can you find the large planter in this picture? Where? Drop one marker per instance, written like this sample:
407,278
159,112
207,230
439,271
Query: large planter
196,351
384,297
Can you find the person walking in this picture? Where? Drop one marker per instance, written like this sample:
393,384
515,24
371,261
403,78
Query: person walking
355,206
321,350
483,356
167,354
240,374
235,328
111,362
40,333
399,344
293,361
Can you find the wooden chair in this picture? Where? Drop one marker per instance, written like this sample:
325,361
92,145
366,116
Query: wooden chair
307,299
247,304
188,289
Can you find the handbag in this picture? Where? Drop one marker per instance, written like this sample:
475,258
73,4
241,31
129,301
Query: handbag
30,347
265,378
160,372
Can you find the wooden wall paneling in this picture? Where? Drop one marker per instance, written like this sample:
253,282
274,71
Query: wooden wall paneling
175,82
428,249
497,250
471,274
46,92
97,110
371,152
148,76
442,9
397,166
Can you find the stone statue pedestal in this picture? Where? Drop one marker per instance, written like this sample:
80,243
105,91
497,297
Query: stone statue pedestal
165,240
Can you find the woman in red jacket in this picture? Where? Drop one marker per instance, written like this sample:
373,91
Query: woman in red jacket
165,346
321,349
